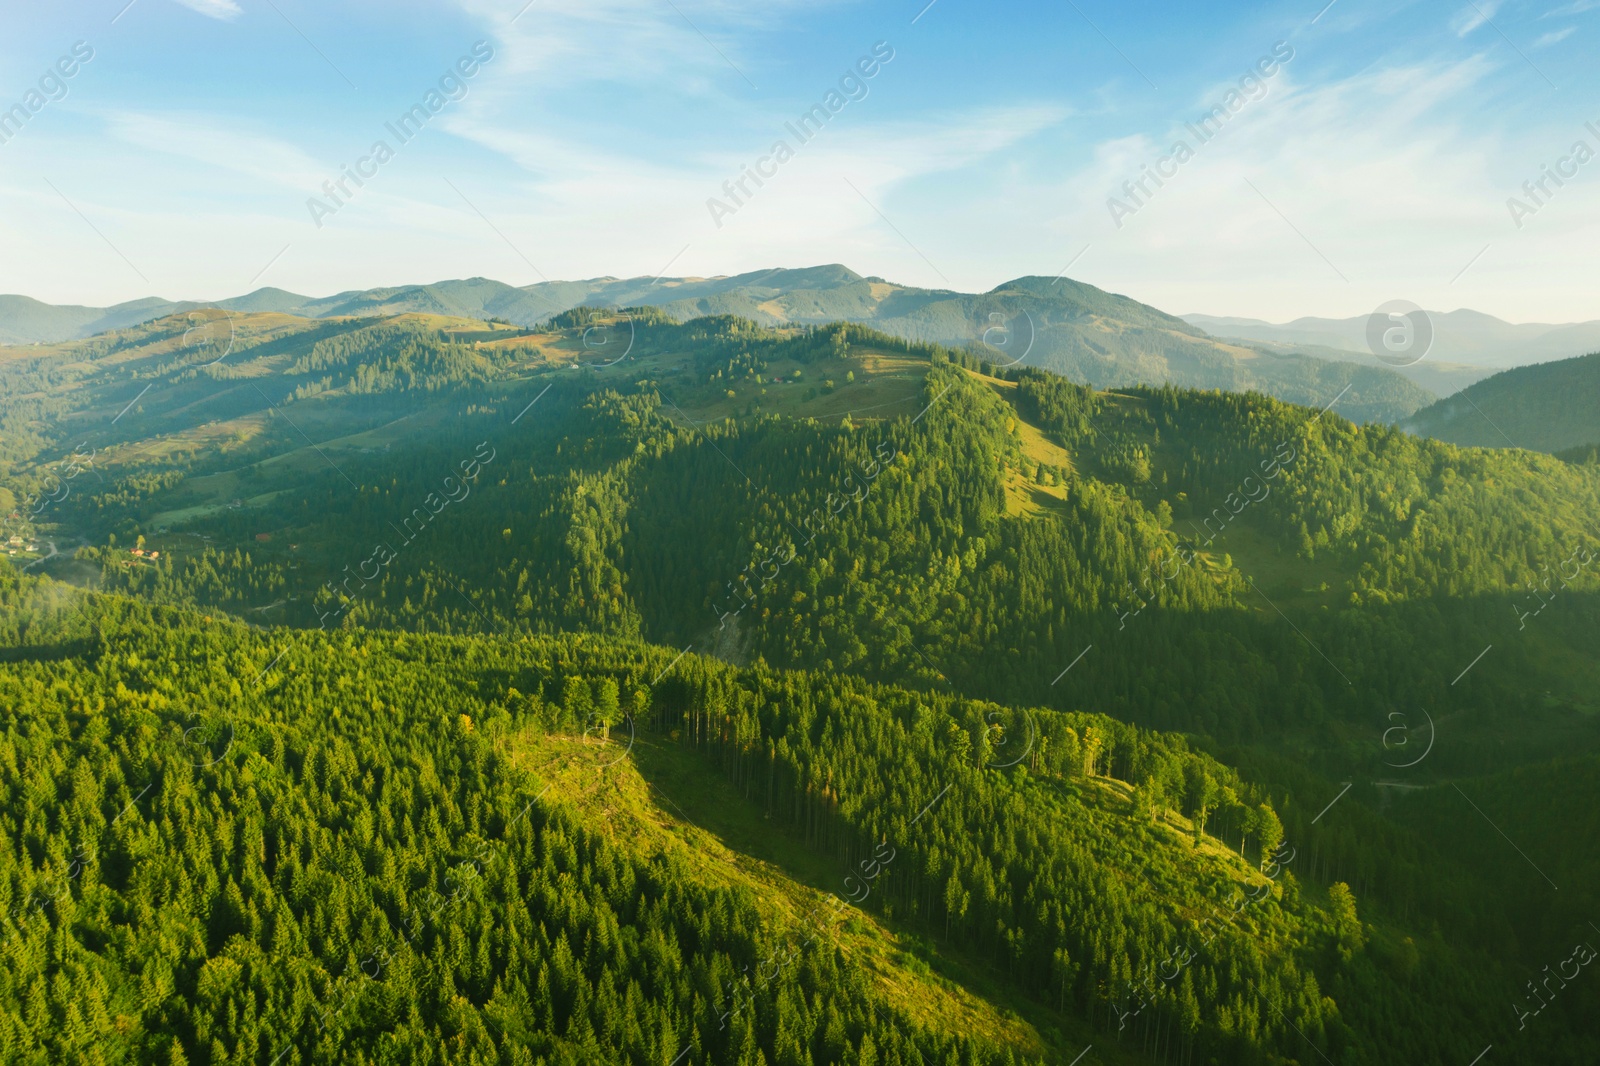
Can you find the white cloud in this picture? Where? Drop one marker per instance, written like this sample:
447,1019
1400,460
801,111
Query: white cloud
218,141
613,212
673,48
594,138
1475,14
1554,38
626,198
1577,7
217,9
1385,174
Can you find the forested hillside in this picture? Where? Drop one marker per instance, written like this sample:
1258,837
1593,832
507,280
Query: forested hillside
233,844
1551,407
1011,526
1155,722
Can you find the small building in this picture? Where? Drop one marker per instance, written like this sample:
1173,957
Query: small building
155,555
263,537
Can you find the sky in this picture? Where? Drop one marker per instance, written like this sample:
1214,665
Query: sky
1362,152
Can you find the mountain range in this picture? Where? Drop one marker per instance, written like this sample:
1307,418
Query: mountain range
1465,337
638,655
1095,337
1098,338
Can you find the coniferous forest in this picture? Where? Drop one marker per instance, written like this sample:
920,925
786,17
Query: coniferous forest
628,690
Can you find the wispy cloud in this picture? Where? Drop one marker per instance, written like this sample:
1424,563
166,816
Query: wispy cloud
1577,7
217,9
684,48
1475,14
615,203
1380,171
599,130
216,141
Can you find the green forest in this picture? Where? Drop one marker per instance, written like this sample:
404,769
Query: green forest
622,690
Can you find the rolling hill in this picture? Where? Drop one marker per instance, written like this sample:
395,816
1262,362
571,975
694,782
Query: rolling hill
1092,336
27,321
1550,407
398,576
369,846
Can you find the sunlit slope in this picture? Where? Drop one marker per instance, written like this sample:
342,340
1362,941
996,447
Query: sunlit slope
364,844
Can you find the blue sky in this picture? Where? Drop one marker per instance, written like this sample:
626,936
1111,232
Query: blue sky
1374,164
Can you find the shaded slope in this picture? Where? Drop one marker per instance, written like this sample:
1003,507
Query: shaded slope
1549,407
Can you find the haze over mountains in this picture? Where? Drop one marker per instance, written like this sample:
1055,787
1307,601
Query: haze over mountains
1462,336
1095,337
1092,336
770,297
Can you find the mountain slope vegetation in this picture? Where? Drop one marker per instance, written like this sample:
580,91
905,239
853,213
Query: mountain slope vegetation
1549,407
351,857
1093,713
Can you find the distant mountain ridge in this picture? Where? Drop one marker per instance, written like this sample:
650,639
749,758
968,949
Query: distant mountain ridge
1461,336
809,294
24,320
1092,336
